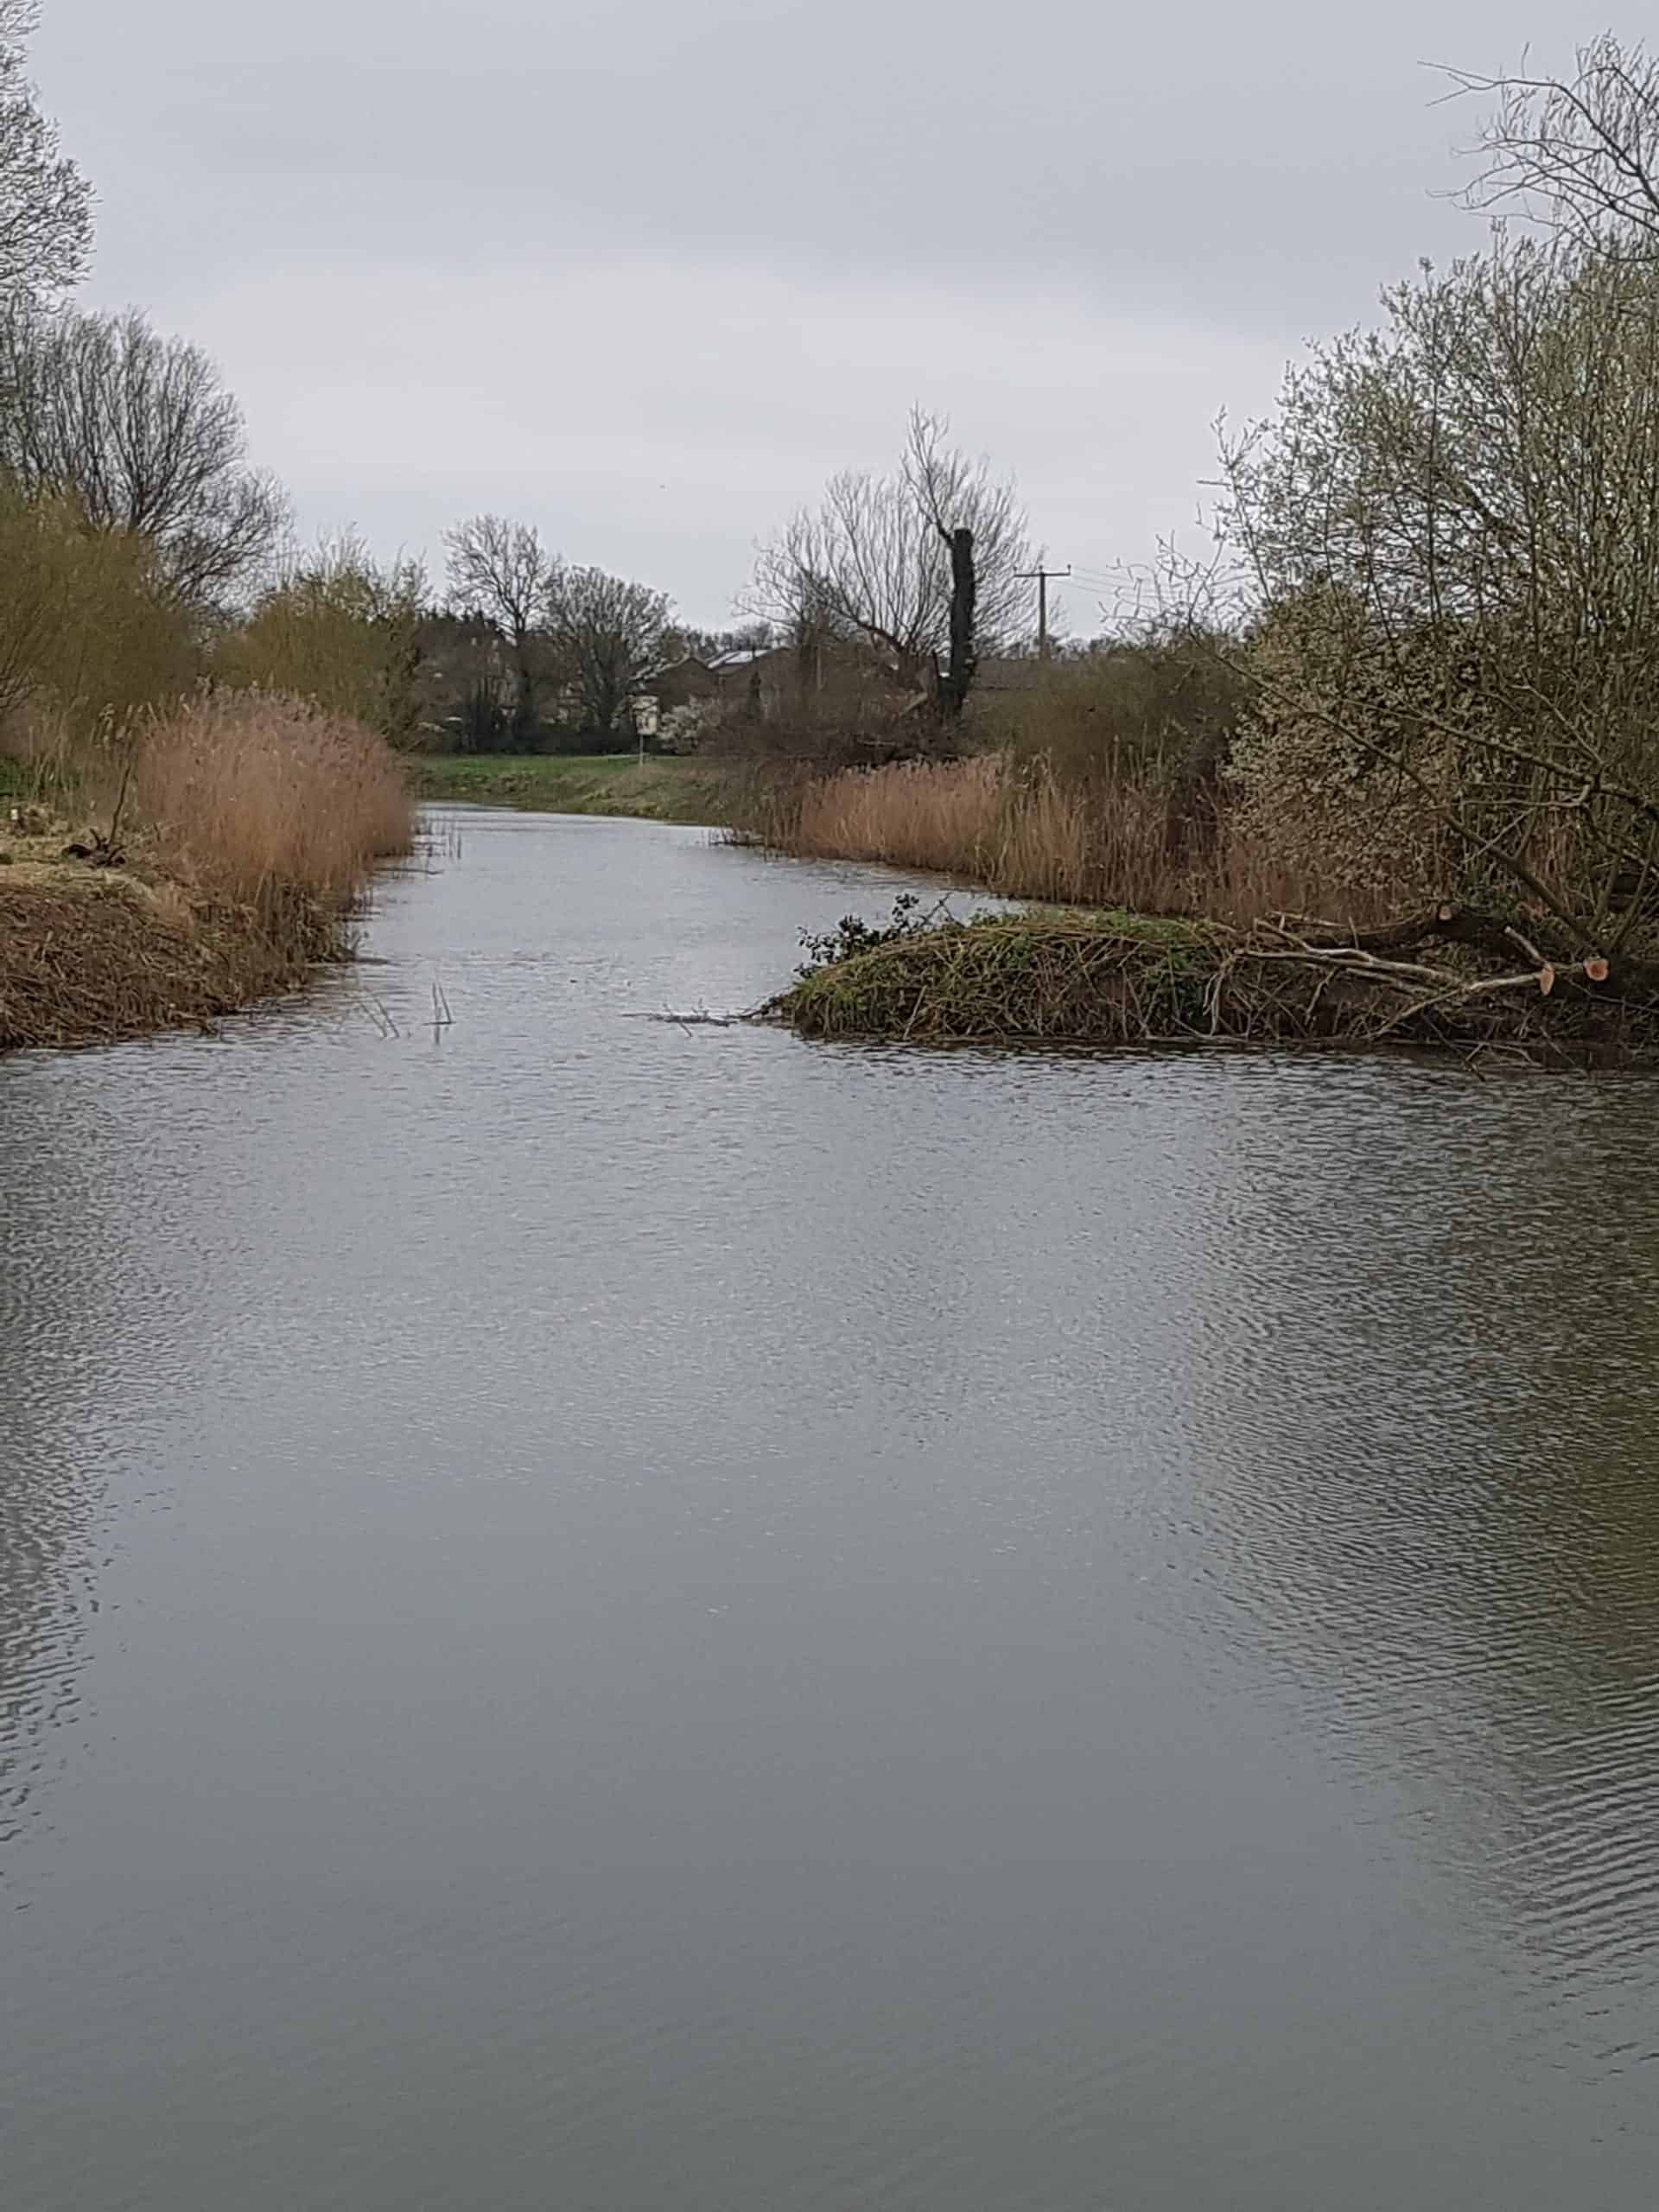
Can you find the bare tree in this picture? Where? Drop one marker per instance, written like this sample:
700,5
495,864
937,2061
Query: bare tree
608,634
45,205
883,560
140,431
862,565
1579,152
500,569
977,521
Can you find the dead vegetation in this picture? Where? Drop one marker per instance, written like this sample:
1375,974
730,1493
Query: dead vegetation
1024,830
210,861
87,959
257,796
1119,979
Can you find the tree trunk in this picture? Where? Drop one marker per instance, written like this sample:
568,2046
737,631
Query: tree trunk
524,705
958,678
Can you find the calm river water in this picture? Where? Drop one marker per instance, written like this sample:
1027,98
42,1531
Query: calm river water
603,1616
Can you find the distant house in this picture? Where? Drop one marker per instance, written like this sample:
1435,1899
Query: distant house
832,675
758,678
673,700
840,681
681,681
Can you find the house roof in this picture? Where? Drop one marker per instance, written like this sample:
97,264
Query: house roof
668,667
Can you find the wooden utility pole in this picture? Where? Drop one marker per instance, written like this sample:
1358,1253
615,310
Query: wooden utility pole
1040,577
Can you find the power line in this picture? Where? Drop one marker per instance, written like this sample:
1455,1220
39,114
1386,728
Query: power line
1041,578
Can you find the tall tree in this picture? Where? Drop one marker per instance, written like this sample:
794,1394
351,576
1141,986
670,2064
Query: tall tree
608,633
45,205
139,431
948,489
921,565
500,570
1452,526
338,628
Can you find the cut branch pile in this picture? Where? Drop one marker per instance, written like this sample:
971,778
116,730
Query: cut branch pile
1449,977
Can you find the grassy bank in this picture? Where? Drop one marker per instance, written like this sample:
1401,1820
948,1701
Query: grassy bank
1119,979
660,789
209,861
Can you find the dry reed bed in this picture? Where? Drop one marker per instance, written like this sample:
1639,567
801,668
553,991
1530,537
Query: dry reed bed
259,796
1113,842
247,823
93,961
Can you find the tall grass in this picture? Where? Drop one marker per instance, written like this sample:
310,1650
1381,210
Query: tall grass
1116,842
914,814
249,793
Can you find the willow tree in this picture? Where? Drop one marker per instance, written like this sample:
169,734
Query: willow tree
919,565
342,629
1453,527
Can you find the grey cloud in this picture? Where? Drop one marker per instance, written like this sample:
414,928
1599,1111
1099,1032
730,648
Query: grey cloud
1227,180
1244,159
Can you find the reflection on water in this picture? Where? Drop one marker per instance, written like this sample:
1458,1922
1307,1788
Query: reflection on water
599,1613
72,1283
1467,1414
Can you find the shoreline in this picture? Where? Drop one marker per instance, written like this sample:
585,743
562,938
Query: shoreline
213,865
107,955
95,954
662,788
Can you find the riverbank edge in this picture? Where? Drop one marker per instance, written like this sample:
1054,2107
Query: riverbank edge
1109,980
103,956
659,789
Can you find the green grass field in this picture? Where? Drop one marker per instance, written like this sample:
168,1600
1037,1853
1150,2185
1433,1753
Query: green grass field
660,789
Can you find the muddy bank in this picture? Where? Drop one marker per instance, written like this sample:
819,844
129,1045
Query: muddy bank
209,860
93,955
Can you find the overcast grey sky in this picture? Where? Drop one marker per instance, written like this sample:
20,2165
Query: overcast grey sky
644,274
